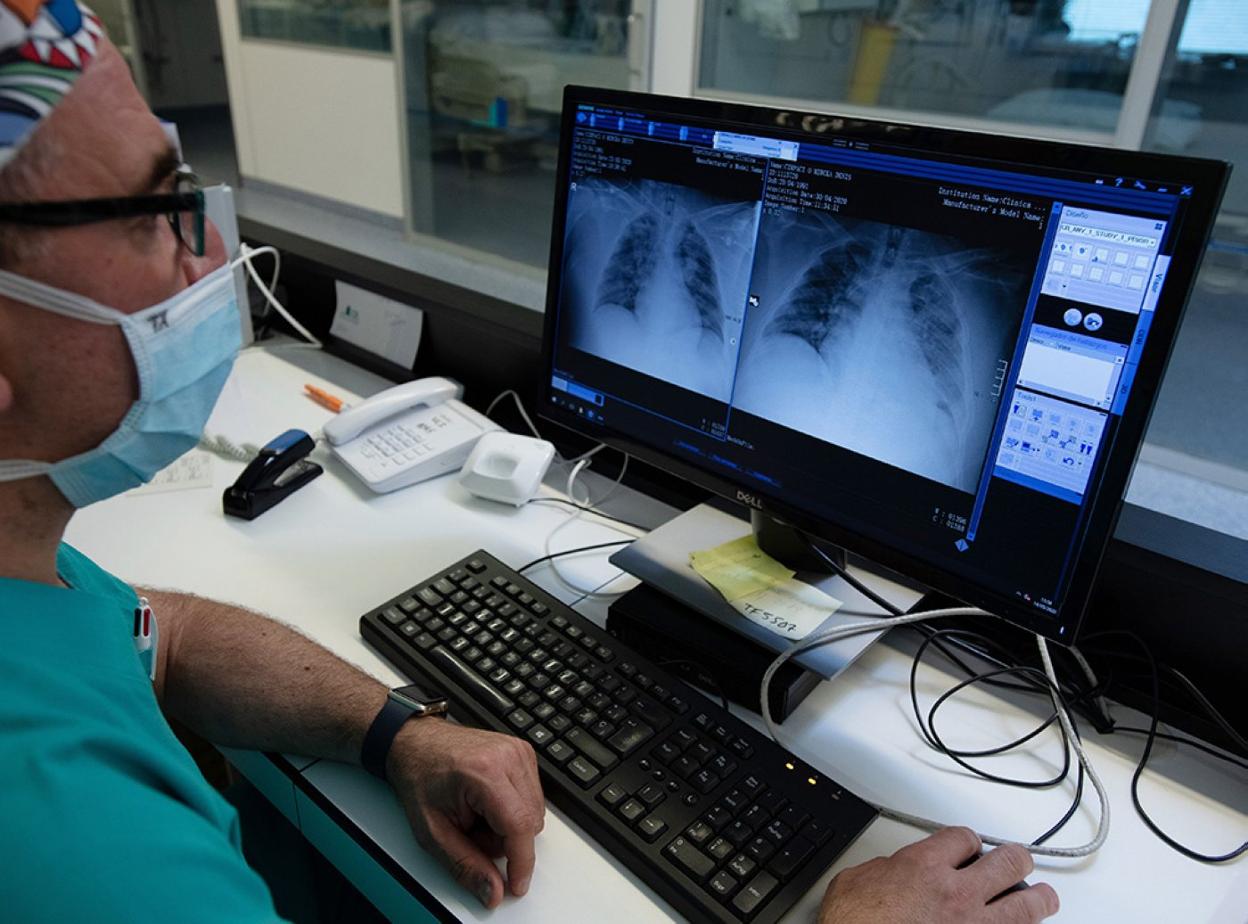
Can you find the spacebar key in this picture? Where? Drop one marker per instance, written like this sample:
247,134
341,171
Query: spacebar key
477,687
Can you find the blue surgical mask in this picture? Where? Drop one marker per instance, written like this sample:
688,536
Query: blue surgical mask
183,349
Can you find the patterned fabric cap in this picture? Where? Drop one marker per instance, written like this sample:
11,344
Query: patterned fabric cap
44,46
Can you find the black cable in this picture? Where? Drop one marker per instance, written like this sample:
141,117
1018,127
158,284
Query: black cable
1047,686
1148,750
584,548
594,510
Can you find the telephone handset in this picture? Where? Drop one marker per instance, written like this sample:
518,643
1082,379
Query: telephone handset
407,433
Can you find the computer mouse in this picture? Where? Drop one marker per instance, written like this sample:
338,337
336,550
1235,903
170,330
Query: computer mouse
1017,887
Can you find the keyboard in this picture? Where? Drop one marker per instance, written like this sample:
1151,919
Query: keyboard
716,818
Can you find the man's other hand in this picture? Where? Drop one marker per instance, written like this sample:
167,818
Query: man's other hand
929,881
471,797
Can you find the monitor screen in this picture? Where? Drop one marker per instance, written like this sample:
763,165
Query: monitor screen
936,348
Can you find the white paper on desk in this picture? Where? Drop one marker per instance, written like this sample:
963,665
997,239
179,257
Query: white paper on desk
193,470
378,324
790,608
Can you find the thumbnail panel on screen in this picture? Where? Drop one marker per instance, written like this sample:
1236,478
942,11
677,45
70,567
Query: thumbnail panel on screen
888,341
655,278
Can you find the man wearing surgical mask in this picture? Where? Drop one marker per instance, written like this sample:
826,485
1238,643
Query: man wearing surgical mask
118,328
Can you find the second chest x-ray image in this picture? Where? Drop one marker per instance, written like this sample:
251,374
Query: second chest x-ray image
885,340
656,277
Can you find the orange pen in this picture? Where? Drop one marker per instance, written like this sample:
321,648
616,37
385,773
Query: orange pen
324,398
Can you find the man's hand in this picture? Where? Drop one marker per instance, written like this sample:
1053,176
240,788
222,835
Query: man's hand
930,882
471,796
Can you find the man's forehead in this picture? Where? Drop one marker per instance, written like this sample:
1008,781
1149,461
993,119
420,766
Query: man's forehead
101,140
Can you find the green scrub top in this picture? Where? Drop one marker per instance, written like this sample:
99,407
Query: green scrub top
103,814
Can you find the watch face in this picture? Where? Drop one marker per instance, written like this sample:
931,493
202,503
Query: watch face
419,697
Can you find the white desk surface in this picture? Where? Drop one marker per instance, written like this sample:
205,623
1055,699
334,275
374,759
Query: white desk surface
334,550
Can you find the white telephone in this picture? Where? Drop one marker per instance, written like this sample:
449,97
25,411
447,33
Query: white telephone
407,433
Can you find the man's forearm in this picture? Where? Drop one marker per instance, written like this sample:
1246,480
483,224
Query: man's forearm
240,679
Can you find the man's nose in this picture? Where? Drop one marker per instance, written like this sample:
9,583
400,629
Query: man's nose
197,268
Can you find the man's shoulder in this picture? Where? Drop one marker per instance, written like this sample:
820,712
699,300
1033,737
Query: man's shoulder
81,573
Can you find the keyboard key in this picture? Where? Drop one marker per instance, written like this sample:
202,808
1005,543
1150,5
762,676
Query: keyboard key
528,699
703,721
755,893
604,654
632,810
817,832
790,857
666,752
602,729
541,609
717,817
794,817
430,596
627,669
699,832
409,604
527,599
760,849
651,827
540,735
651,794
560,752
772,801
742,749
684,767
409,629
778,832
753,785
444,587
650,712
519,720
686,856
424,641
584,742
559,724
723,885
720,848
611,794
755,816
632,734
476,566
543,711
447,634
735,801
583,770
677,705
704,781
741,866
739,833
393,615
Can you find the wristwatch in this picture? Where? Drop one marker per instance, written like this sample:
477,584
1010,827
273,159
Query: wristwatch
402,703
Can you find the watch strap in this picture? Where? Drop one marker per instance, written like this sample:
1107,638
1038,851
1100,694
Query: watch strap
381,734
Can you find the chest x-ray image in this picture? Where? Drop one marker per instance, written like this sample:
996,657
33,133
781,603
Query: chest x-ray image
884,340
655,279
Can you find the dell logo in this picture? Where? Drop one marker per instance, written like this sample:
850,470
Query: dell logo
749,500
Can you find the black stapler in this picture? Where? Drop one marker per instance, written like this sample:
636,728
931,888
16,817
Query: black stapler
278,472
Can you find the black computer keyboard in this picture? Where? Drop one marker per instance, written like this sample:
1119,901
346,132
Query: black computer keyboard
715,817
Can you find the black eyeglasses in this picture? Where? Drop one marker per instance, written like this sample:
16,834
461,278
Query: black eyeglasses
184,208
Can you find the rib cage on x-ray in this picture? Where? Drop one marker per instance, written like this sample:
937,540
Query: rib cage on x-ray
881,339
652,274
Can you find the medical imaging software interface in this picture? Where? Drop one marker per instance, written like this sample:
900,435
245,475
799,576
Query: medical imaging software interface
931,351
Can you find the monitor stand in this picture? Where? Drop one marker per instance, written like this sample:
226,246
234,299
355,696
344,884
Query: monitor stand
661,560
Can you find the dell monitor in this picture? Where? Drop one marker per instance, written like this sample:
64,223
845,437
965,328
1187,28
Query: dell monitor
935,348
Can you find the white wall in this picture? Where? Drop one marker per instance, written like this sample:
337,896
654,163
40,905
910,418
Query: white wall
316,120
